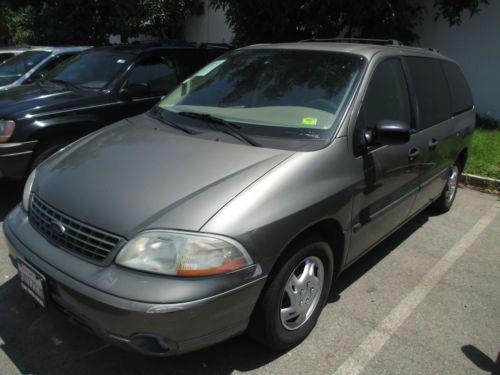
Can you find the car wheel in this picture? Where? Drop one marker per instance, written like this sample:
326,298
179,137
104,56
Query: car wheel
445,200
292,301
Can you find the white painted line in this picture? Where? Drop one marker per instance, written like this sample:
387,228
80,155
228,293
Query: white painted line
374,342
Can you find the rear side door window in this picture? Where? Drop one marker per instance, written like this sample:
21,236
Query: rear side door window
159,72
386,99
461,97
431,89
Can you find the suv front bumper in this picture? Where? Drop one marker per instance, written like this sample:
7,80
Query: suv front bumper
153,328
15,159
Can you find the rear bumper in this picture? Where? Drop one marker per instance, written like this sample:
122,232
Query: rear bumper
149,328
14,159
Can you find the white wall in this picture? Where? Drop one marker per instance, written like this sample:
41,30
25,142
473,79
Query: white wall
209,27
475,45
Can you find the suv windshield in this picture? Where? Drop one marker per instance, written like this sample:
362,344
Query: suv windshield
15,67
92,70
272,93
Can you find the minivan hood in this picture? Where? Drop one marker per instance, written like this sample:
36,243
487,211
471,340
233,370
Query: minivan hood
31,99
138,174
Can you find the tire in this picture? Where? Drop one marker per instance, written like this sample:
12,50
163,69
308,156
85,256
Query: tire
275,322
447,197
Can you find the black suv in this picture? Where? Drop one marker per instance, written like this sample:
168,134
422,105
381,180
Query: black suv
89,91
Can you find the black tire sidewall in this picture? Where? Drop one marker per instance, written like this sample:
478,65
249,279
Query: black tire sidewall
275,335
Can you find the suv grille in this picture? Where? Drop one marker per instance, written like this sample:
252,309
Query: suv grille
70,234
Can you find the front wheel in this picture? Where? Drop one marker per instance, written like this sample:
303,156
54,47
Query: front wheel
295,295
445,200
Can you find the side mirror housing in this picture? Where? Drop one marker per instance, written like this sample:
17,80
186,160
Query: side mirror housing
388,132
134,90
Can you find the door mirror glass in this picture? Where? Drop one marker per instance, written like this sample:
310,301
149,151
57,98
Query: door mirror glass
135,90
388,132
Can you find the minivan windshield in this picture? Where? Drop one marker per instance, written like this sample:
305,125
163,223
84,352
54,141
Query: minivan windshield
91,70
272,93
15,67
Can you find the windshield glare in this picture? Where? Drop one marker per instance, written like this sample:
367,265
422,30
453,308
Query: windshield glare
92,70
15,67
272,90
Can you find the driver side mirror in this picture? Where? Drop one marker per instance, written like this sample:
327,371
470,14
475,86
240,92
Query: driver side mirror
134,90
388,132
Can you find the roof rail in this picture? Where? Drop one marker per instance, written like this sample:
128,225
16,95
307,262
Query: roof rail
216,45
383,42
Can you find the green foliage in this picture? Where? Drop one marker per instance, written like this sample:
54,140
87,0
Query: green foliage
484,158
256,21
59,22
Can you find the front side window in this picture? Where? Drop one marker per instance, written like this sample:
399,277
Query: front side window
158,72
14,68
91,70
273,93
386,99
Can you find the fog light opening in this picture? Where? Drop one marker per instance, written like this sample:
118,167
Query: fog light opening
150,344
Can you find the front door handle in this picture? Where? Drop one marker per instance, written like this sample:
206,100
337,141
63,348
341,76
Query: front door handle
433,143
413,153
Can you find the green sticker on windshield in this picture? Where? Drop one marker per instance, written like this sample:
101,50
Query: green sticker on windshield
309,120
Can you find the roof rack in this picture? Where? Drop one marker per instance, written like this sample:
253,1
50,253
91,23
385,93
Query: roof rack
383,42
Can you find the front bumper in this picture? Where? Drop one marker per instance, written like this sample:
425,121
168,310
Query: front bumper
15,159
156,328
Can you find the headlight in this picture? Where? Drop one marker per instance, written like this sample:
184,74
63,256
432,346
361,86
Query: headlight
27,190
6,130
183,253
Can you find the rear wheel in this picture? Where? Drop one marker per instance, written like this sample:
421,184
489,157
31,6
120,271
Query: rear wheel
445,200
295,295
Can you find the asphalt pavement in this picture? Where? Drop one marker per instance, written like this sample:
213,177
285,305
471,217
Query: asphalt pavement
425,301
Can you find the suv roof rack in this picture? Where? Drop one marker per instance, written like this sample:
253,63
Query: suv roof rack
383,42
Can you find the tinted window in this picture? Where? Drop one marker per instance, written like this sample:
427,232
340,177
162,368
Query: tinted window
12,69
55,61
386,98
158,72
5,56
190,60
432,90
94,69
461,97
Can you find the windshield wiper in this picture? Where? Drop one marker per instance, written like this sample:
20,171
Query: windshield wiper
158,116
234,128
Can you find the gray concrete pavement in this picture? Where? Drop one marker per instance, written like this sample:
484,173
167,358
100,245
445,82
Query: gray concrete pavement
425,301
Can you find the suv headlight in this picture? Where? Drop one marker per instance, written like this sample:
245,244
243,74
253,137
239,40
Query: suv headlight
183,253
27,190
6,129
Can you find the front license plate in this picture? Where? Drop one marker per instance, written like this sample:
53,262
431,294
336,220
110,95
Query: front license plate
32,281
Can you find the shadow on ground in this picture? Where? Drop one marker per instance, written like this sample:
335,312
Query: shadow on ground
44,342
10,195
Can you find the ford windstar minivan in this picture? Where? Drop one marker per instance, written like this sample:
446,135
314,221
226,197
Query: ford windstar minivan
235,202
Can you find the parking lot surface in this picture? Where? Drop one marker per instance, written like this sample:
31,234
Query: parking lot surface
425,301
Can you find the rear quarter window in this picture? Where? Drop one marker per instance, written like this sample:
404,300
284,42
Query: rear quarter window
432,90
461,97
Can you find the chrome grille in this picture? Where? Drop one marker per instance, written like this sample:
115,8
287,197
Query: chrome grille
77,237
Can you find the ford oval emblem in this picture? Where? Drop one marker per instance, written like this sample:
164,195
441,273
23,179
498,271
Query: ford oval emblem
57,228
